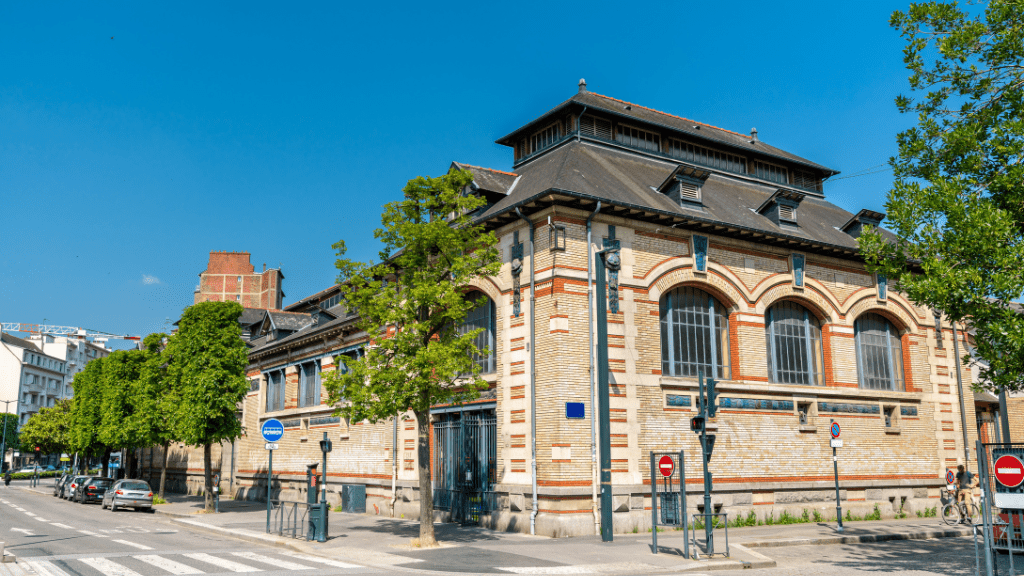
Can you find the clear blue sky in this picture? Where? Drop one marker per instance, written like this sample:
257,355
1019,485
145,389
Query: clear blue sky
135,137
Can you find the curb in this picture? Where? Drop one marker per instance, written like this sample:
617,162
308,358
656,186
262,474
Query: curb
863,539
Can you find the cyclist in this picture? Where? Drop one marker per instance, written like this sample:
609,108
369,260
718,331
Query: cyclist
965,485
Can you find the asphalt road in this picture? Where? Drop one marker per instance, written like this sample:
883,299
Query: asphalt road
53,537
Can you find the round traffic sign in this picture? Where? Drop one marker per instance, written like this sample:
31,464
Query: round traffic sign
272,430
666,465
834,431
1009,470
950,477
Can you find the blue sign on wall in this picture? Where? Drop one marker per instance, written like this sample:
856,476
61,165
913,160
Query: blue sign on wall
272,430
575,410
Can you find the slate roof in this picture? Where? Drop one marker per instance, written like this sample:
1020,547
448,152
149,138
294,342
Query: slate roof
318,296
263,345
251,316
19,342
489,178
290,320
627,179
697,130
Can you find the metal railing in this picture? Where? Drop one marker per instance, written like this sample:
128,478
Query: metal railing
289,518
465,506
698,520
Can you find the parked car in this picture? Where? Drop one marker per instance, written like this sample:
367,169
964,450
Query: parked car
28,470
129,494
76,481
60,484
50,468
92,489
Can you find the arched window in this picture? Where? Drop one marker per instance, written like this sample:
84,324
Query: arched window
879,353
481,317
694,334
794,345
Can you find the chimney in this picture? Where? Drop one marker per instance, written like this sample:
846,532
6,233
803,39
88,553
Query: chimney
583,85
264,266
753,135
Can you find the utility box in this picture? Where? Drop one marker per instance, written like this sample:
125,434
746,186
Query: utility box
318,517
353,498
312,484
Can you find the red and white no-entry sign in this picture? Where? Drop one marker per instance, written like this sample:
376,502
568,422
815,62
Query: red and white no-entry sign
666,465
1009,471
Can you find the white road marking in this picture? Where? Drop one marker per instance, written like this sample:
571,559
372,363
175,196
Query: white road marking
168,565
127,543
41,519
87,533
548,570
44,568
108,567
27,532
221,562
311,558
27,512
111,531
272,561
59,525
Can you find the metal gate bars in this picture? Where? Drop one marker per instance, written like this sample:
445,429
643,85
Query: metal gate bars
465,464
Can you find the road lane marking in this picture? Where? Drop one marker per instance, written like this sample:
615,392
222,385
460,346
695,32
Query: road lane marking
27,532
127,543
310,558
168,565
41,519
272,561
27,512
222,562
87,533
108,567
59,525
111,531
44,568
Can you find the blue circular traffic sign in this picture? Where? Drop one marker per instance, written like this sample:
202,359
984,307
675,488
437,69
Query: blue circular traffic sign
949,477
272,430
834,431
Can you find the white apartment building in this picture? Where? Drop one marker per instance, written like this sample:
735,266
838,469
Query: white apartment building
76,352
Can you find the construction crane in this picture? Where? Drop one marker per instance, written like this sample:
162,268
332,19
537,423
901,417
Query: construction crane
73,331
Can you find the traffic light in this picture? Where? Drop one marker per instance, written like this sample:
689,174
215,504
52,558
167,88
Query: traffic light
709,446
697,423
701,406
712,398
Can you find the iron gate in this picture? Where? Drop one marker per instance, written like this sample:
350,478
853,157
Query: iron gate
465,464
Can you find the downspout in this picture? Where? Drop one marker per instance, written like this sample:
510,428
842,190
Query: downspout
533,381
579,123
960,393
593,390
394,467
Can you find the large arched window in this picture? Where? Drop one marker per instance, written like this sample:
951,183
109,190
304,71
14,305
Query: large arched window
481,317
879,353
794,345
694,334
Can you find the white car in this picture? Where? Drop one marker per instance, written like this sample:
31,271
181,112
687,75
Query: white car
28,470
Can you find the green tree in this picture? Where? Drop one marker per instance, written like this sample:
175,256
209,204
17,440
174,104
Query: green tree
207,359
156,402
87,413
411,303
10,423
122,423
957,203
50,428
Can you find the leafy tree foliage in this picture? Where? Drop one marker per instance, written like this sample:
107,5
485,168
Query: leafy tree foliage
957,204
123,423
206,370
157,401
87,412
10,422
50,428
411,302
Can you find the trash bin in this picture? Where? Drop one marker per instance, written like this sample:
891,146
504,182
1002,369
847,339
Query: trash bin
318,518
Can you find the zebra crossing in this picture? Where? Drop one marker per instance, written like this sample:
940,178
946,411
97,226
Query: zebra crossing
182,563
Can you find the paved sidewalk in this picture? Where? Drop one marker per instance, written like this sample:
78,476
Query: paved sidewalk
382,541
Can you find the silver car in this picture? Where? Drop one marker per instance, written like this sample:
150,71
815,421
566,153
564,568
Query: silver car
128,494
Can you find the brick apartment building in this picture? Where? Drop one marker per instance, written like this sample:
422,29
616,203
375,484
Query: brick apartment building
733,261
230,276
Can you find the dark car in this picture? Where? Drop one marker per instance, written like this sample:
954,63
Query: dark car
129,494
60,484
92,489
72,486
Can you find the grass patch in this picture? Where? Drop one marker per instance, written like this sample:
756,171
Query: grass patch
876,514
158,500
817,516
740,521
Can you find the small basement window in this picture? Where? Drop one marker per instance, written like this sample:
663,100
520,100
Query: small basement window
804,412
890,416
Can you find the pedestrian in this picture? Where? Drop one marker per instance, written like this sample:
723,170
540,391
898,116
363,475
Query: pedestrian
7,477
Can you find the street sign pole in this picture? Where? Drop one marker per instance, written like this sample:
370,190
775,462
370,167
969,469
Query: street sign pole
834,431
604,259
654,505
270,475
682,498
272,430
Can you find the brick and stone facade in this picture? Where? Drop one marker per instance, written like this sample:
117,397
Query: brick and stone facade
772,452
230,276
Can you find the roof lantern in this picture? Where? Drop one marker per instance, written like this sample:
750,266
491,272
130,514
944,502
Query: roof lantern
855,225
781,206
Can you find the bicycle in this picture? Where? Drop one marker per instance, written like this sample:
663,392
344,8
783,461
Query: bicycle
956,512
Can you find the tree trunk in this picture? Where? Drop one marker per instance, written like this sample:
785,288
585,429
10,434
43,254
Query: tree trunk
427,538
208,477
163,469
105,461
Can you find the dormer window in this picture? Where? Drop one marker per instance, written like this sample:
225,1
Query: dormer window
770,172
781,207
855,225
685,186
638,138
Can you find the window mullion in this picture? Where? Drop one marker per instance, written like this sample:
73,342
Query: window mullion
712,336
773,358
888,350
809,364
